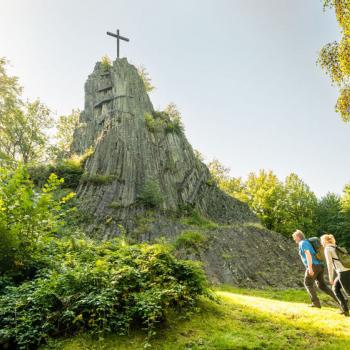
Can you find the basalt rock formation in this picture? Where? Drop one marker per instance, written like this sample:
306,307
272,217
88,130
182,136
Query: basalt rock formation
135,147
139,159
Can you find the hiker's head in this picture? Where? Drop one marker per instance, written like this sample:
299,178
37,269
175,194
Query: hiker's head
298,236
327,239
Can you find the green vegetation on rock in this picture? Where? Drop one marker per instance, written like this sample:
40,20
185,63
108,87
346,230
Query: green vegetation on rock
151,195
190,239
194,218
106,63
168,120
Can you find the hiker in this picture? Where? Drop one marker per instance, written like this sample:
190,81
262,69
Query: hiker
343,274
314,269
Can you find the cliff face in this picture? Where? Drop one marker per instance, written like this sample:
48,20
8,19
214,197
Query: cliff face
135,147
137,153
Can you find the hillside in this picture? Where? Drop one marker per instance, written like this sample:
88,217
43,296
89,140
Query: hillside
142,177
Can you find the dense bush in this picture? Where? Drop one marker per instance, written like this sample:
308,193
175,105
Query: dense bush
160,121
175,126
55,283
105,287
28,218
70,170
154,124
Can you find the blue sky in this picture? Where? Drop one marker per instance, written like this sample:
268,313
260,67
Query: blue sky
242,73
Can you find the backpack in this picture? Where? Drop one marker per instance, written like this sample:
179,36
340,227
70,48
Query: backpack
316,244
343,256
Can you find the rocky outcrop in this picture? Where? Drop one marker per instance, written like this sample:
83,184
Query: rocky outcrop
134,146
251,256
140,159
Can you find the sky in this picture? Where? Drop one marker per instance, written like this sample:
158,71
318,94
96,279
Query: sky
243,73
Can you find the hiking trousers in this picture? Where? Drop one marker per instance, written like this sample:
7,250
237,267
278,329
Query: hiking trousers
344,278
309,283
342,281
337,287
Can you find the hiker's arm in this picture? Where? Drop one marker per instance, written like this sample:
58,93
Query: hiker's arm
330,267
309,262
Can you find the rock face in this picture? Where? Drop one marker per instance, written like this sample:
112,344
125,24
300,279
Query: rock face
141,158
135,148
249,256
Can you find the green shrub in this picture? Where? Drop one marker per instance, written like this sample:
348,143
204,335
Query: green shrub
154,124
28,218
97,179
40,173
194,218
151,195
173,116
106,63
147,82
71,170
98,288
190,239
160,121
175,125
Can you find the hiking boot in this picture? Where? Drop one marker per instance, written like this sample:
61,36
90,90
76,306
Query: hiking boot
316,306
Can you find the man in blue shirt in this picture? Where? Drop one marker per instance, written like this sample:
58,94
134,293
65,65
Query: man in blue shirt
314,269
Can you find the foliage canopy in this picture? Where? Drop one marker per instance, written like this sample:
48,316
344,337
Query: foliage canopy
334,57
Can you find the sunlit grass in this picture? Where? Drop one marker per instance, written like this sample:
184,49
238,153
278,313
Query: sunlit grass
327,320
244,319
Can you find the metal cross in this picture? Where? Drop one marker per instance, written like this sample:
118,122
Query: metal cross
119,37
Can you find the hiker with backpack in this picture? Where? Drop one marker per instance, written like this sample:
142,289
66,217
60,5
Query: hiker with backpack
336,258
314,268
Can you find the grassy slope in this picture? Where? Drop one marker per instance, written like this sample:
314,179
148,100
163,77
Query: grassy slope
244,319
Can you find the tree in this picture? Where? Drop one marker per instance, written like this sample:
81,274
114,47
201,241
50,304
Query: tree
329,218
64,137
298,207
235,187
9,100
218,171
9,89
151,194
281,206
27,218
334,57
23,131
23,125
144,75
343,237
263,194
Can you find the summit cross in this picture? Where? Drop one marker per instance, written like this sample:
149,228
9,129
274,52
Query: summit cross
119,37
